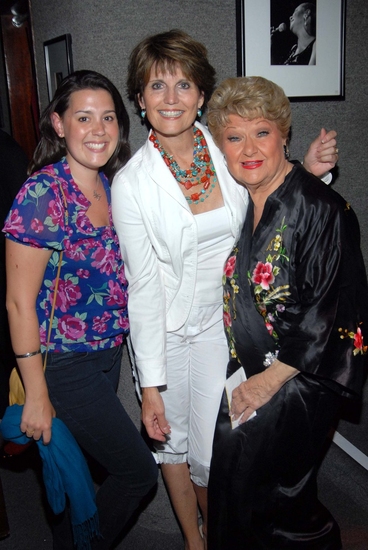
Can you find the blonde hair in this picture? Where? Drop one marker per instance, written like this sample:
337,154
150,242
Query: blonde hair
248,97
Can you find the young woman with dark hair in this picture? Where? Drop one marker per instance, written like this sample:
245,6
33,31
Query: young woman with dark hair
65,207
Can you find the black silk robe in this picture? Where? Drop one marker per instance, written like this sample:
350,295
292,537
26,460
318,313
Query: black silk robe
297,288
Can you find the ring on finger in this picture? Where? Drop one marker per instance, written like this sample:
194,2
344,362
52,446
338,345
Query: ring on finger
336,150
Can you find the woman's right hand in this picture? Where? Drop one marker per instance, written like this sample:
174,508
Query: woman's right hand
255,392
322,154
153,414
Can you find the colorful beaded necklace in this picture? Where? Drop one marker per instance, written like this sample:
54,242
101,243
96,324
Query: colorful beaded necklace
200,172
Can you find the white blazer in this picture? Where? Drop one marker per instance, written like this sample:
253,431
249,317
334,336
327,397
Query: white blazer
158,240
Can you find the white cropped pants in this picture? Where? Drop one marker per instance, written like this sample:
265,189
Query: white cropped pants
197,359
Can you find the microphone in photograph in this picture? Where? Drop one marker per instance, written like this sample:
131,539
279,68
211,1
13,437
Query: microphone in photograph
281,28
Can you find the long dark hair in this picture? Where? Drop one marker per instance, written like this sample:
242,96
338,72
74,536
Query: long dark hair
51,148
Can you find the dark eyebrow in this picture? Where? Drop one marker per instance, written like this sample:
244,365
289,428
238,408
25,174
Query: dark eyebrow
90,112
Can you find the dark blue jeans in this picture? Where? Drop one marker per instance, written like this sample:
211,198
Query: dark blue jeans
82,388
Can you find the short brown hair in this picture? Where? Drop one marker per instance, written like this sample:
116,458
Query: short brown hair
249,97
165,51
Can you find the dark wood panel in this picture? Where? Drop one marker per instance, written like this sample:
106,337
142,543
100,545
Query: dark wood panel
18,57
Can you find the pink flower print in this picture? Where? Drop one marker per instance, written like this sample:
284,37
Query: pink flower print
227,319
68,295
23,192
37,225
280,308
100,323
123,323
72,327
67,169
15,223
105,260
357,337
358,341
116,241
83,223
56,213
80,200
269,327
119,339
43,335
75,252
121,274
117,296
83,273
94,344
230,266
106,234
262,275
90,244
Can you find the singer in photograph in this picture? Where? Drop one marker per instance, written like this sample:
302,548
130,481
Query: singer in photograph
301,25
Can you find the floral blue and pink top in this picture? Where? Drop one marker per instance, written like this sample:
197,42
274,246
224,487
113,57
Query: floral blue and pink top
91,304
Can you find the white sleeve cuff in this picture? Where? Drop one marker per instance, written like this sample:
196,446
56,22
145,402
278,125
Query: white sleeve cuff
326,178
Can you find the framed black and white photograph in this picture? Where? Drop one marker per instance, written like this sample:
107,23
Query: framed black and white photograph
299,45
58,60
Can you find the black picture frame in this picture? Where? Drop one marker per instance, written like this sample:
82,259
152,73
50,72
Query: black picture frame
261,22
58,61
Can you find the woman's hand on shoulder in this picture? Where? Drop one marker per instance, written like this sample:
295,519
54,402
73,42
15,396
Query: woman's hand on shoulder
255,392
322,154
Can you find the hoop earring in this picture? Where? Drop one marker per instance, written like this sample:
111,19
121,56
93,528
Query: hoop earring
286,152
199,113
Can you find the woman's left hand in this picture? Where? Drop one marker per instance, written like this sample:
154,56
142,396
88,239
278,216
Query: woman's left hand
322,154
37,418
259,389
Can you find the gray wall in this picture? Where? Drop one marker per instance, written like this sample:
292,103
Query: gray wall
103,35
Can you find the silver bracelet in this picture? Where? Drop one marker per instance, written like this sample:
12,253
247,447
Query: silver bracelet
29,354
270,358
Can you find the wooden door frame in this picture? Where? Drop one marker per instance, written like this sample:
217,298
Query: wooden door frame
21,82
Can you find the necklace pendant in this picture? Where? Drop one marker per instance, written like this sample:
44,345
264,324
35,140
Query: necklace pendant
96,195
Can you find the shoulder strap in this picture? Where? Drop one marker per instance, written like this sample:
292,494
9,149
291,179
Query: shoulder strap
56,284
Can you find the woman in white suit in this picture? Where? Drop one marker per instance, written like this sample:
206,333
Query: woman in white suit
177,213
